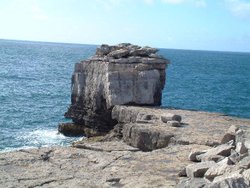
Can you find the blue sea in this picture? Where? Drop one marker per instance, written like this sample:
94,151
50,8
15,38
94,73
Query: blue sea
35,82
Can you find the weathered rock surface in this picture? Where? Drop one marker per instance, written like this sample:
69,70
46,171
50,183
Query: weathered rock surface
115,164
199,169
71,129
230,180
100,164
145,128
230,171
122,74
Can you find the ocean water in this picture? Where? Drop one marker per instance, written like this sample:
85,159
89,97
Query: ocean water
35,82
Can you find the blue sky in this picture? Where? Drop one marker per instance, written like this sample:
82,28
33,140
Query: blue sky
180,24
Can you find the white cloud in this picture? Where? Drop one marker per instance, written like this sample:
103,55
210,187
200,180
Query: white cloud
239,8
197,3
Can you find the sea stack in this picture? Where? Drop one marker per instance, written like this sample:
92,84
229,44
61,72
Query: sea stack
122,74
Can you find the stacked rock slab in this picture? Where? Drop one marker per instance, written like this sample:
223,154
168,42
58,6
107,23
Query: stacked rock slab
122,74
227,165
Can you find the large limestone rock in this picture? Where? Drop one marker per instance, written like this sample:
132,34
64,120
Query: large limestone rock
122,74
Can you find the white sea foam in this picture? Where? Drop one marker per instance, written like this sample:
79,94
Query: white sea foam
42,138
49,137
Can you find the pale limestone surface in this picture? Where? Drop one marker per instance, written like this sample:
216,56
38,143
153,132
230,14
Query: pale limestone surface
114,163
73,167
196,127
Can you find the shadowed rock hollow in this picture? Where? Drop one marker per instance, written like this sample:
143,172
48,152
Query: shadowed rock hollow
122,74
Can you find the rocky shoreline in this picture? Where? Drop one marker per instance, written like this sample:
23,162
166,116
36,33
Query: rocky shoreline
132,141
94,162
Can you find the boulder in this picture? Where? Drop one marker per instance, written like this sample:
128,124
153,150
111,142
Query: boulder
146,118
146,137
144,52
104,49
119,53
241,148
193,155
170,117
244,163
233,165
182,173
198,169
192,183
230,134
230,180
109,78
174,123
219,169
223,150
246,175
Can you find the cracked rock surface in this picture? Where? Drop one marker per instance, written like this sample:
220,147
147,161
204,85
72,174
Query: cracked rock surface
92,167
116,164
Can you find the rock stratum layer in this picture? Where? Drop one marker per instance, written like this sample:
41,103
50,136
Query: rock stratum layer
122,74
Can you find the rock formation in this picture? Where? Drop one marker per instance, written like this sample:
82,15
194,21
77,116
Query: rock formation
227,165
122,74
95,163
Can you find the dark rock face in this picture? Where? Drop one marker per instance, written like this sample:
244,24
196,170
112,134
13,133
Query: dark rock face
71,129
122,74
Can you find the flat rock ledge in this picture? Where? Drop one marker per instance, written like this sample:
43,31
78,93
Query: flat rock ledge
115,75
118,160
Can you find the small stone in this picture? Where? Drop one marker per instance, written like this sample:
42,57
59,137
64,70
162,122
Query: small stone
143,52
193,155
198,169
230,134
146,118
170,117
244,163
104,49
174,123
119,53
241,148
235,157
182,173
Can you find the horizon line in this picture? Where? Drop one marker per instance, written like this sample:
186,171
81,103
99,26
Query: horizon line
76,43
